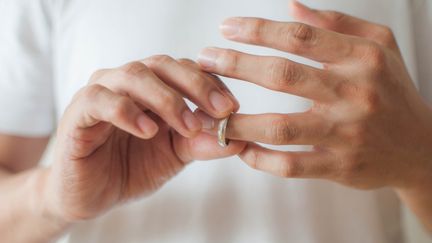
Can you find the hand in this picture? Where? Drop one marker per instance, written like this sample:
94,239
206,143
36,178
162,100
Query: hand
368,124
129,131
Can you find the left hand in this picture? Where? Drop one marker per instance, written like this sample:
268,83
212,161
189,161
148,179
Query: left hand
368,124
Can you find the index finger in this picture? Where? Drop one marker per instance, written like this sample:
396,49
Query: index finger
296,38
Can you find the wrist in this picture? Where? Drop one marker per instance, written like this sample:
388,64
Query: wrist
416,174
418,181
42,204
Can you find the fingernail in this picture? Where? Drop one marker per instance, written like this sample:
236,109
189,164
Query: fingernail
231,95
220,102
191,122
147,126
234,99
208,57
208,122
230,27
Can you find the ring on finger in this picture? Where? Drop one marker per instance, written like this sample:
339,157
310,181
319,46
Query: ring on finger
222,141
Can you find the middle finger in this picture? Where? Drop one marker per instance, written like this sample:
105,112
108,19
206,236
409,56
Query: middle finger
296,38
275,73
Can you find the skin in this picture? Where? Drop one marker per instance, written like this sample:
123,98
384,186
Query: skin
368,125
122,137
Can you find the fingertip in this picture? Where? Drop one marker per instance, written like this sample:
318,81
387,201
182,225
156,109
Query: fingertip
230,95
298,9
208,122
191,121
236,105
230,27
233,99
207,58
292,5
221,103
147,126
298,5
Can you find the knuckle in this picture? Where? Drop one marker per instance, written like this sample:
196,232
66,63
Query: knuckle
159,60
134,69
187,61
282,132
375,57
302,33
231,60
92,91
120,108
81,141
257,29
283,74
167,99
254,158
371,101
387,32
386,36
97,75
291,168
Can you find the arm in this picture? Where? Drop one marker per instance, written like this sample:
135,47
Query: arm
21,187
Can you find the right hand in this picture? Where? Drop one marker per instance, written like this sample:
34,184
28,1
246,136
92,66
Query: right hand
129,130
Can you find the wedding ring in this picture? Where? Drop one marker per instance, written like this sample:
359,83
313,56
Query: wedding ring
222,141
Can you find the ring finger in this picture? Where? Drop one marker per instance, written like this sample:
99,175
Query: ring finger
276,129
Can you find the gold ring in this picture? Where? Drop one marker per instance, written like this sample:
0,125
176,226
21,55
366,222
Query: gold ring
222,141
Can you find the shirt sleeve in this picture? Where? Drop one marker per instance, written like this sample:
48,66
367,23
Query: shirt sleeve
26,87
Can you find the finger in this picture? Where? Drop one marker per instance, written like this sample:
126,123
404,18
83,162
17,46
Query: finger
192,83
143,86
300,39
204,147
98,104
217,81
276,129
343,23
288,164
189,62
274,73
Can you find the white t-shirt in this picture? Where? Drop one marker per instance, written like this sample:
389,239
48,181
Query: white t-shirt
49,49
